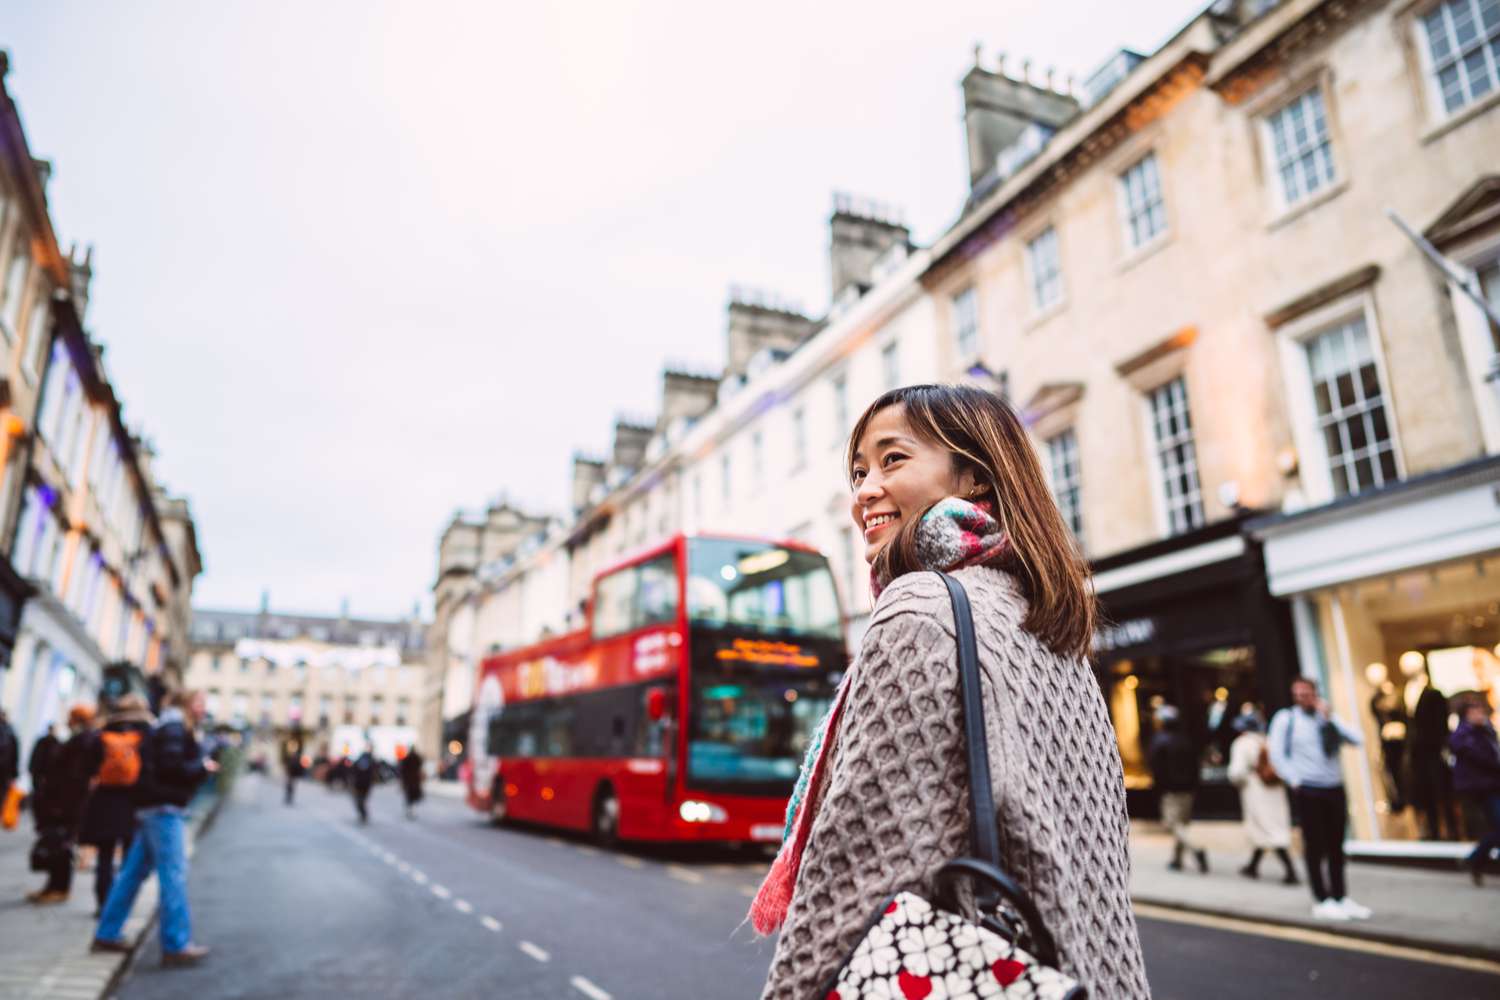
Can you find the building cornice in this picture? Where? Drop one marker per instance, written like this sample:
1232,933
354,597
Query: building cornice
1247,63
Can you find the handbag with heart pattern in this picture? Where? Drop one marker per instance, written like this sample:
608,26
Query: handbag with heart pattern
916,949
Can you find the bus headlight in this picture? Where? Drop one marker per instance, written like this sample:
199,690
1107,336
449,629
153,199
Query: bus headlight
693,811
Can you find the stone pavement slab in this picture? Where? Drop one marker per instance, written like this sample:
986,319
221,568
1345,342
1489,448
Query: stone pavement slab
1424,908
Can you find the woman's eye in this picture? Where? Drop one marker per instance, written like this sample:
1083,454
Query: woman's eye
892,457
857,475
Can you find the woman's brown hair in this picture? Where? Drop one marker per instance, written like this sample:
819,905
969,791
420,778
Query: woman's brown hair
985,437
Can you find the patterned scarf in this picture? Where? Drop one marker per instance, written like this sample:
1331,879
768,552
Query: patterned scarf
955,533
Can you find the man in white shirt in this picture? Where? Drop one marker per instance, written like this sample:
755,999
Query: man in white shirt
1304,745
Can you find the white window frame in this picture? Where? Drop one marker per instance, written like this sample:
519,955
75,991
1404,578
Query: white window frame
13,307
890,363
1122,193
1158,470
1052,443
1291,342
964,306
1439,112
1034,283
38,330
799,437
838,386
1280,201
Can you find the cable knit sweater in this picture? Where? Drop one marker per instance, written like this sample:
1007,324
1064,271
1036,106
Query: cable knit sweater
895,806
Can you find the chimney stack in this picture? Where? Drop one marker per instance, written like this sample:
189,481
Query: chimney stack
860,231
760,320
997,109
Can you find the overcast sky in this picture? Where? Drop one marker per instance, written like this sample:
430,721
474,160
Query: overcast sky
358,264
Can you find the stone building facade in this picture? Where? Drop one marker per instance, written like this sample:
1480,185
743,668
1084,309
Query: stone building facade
1241,376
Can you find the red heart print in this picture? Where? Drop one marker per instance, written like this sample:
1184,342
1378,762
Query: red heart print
914,987
832,995
1007,970
891,908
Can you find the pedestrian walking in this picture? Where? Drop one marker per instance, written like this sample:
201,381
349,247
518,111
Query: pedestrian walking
115,764
1174,769
944,478
42,752
361,780
173,765
291,765
10,755
1304,743
1476,777
1265,811
59,793
411,781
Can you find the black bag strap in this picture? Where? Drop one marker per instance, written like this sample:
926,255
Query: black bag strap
986,831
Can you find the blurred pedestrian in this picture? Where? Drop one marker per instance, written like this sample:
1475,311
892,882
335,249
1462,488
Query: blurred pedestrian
361,779
10,755
115,762
1476,776
1174,769
42,752
1304,743
59,794
291,765
943,478
411,781
173,765
1265,811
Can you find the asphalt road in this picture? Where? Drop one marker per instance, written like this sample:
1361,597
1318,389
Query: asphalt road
304,902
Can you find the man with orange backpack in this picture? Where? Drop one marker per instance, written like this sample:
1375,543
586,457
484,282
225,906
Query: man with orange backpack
115,763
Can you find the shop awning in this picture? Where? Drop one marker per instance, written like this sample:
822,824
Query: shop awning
1439,517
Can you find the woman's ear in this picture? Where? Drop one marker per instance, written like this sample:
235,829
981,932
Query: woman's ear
970,487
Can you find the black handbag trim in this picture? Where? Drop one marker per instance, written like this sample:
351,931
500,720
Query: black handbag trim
995,882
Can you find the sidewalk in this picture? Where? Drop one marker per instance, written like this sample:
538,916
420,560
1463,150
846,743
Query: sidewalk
1421,908
47,947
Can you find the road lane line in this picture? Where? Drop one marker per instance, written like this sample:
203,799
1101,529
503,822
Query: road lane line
630,862
441,891
1308,935
588,989
403,866
592,852
684,875
490,923
537,953
388,858
463,906
748,890
418,877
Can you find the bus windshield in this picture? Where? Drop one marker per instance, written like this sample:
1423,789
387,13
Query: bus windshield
761,586
749,734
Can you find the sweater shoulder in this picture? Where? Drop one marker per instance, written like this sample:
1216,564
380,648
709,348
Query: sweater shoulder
919,594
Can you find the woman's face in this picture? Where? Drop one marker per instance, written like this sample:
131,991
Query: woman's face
896,475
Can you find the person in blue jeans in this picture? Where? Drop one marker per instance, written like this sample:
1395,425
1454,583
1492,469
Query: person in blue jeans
1476,776
172,768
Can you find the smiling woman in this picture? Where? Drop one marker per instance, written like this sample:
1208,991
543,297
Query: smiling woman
944,478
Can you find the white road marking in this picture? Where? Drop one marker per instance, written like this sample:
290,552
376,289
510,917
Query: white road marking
463,906
388,858
441,892
490,923
588,989
748,890
418,877
684,875
1308,935
629,862
586,849
534,951
403,866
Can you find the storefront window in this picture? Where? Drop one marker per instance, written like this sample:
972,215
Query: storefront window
1209,688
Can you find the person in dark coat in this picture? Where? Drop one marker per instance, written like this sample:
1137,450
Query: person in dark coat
109,819
362,779
10,755
1174,769
411,781
42,752
1476,776
58,797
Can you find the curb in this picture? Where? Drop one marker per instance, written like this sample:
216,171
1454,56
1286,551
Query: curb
128,960
1350,930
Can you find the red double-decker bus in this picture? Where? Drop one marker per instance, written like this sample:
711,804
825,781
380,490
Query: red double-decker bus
680,711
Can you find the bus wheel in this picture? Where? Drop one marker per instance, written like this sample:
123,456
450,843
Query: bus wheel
606,818
497,805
